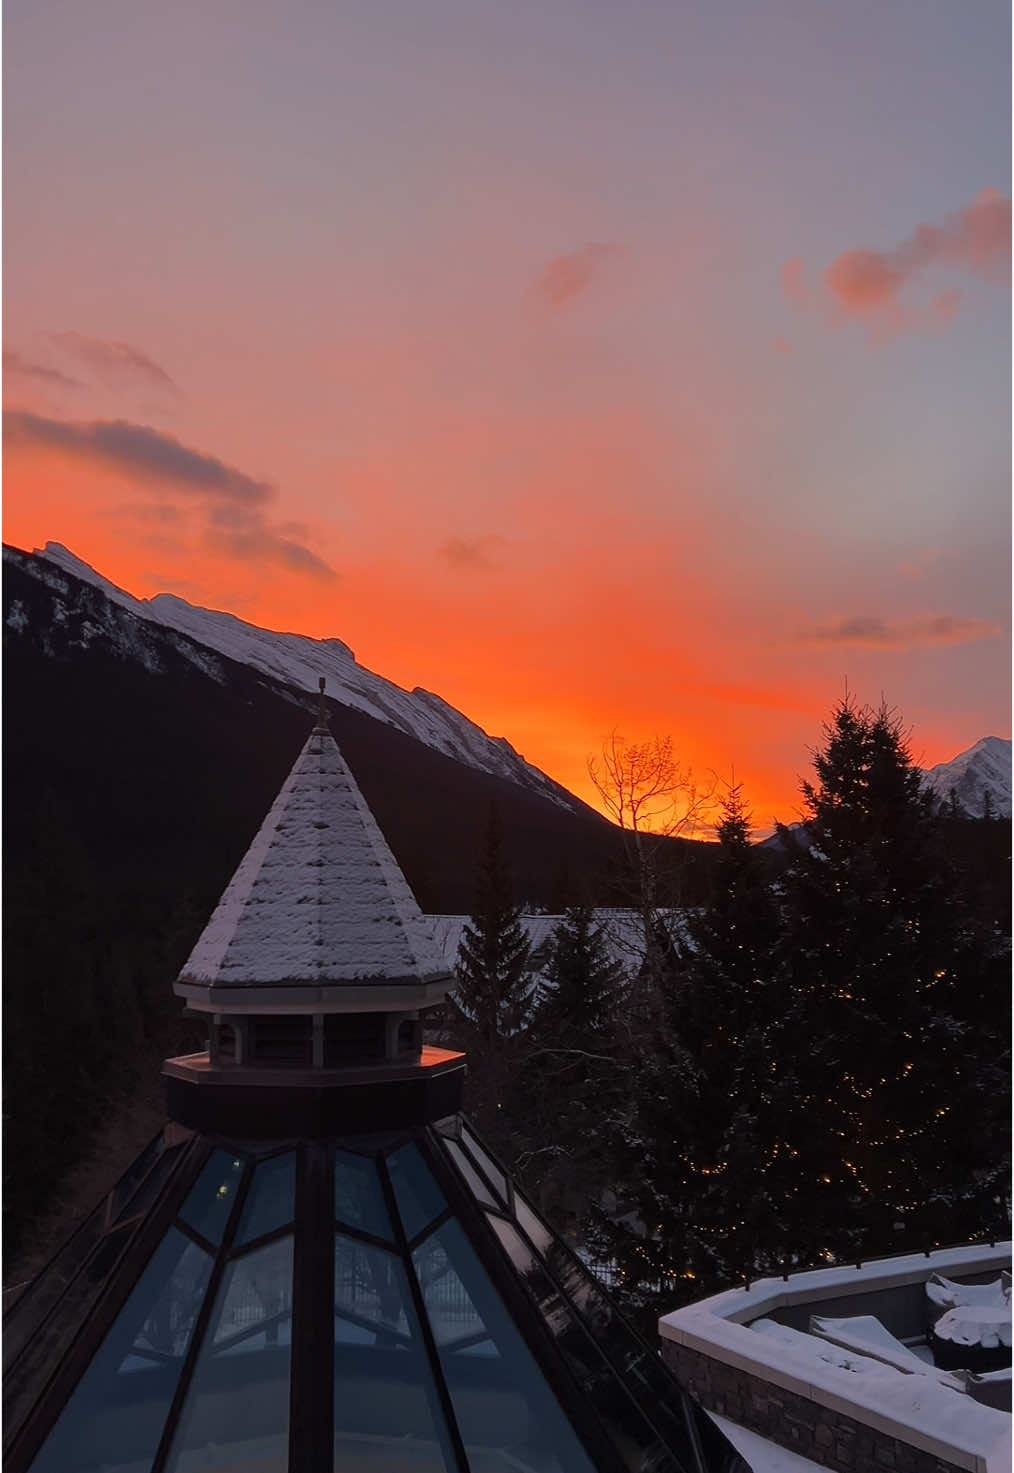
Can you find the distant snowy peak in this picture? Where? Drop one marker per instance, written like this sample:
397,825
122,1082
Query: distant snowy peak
298,660
980,774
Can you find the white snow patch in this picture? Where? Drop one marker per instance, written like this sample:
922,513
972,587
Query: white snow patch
762,1456
17,619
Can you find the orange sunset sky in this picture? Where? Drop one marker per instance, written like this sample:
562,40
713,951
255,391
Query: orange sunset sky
594,366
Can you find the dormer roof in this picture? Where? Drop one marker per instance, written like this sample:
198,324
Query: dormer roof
318,916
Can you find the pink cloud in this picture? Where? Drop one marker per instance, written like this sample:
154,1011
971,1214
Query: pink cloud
866,283
566,277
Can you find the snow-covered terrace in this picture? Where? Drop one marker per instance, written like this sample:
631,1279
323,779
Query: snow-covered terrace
739,1350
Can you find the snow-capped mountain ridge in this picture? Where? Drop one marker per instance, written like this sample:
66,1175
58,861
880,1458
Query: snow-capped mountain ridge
298,660
983,770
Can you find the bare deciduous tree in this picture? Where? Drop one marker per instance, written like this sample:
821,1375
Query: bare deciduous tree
648,792
645,788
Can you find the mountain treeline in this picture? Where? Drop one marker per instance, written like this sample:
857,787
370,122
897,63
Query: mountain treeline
814,1066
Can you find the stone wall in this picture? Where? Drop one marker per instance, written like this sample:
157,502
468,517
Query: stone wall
827,1437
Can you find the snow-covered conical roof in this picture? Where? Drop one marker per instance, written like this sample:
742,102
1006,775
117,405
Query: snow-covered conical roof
318,912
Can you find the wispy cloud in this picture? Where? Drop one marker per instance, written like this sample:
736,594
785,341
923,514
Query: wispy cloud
566,277
21,367
241,532
472,554
114,362
231,503
919,564
146,455
871,632
867,284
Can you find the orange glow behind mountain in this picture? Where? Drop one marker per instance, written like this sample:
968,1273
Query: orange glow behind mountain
553,683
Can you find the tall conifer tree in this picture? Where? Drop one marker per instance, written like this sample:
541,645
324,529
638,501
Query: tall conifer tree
703,1165
492,994
896,1015
573,1084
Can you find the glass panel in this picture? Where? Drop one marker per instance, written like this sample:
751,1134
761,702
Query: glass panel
472,1177
644,1374
494,1173
134,1175
370,1294
44,1348
236,1412
115,1417
24,1317
211,1199
633,1436
270,1202
419,1198
501,1401
167,1329
387,1414
358,1199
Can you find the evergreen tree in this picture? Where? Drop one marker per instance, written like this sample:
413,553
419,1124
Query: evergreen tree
703,1154
492,995
896,1010
572,1082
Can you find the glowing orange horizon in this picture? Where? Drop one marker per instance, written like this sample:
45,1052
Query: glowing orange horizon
554,691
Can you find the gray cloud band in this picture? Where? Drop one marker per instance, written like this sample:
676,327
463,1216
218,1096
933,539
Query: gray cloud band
875,633
144,453
231,501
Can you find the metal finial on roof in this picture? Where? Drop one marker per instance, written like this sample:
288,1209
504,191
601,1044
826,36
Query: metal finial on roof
322,721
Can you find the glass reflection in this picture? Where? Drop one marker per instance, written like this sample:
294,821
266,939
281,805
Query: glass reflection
476,1149
472,1177
419,1198
114,1419
358,1199
646,1378
135,1174
270,1202
236,1412
370,1294
213,1195
22,1320
631,1433
501,1401
387,1412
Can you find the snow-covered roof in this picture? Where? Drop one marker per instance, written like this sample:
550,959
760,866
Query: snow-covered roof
318,902
623,933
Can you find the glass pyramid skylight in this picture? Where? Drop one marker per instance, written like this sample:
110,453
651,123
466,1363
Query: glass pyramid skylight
380,1302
